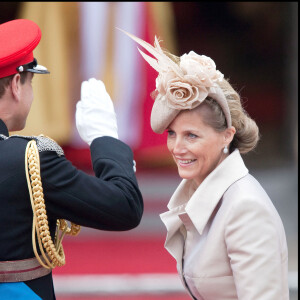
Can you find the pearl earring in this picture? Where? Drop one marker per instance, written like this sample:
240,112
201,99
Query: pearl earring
225,150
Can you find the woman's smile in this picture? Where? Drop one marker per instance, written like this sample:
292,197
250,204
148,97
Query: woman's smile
184,162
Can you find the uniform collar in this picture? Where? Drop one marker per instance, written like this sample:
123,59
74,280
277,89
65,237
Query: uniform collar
205,198
3,128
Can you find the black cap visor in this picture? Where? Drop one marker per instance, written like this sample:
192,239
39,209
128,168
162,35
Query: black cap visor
33,67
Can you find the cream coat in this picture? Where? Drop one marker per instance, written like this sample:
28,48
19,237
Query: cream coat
227,237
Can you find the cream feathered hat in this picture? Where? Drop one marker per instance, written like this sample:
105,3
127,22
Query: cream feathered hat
181,85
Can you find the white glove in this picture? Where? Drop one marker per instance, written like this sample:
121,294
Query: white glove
95,115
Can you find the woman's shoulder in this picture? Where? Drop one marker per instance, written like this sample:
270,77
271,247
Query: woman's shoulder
248,190
248,194
247,203
246,187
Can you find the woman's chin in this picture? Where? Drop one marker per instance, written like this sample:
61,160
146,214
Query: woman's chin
185,174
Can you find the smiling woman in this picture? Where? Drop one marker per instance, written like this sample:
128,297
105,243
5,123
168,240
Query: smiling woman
218,209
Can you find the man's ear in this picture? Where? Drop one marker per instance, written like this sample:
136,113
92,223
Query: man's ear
16,87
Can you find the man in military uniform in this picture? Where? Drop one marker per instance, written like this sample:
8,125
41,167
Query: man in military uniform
39,186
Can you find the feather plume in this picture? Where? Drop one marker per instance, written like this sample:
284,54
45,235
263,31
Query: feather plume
161,63
151,61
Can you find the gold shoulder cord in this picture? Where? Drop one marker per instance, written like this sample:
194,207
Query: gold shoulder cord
54,255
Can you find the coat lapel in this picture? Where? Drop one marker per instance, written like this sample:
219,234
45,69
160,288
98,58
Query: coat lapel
175,241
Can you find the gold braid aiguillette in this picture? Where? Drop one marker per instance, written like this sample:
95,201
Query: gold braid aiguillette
54,255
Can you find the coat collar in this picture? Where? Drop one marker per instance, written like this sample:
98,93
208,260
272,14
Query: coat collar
3,128
203,200
209,193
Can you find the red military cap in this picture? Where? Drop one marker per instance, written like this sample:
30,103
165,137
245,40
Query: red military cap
18,39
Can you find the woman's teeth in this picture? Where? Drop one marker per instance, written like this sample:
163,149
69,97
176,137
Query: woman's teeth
186,161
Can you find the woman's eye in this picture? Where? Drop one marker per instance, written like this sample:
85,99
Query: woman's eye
191,135
170,133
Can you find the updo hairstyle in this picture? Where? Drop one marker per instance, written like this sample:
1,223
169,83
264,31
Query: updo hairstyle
247,132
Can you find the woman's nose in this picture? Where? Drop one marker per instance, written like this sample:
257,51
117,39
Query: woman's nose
179,147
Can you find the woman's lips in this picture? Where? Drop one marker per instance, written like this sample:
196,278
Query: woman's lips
185,162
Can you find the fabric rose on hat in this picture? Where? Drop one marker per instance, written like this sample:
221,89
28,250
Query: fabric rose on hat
188,90
180,92
201,66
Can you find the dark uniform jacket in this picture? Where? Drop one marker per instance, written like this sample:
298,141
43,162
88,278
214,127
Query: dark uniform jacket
110,200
